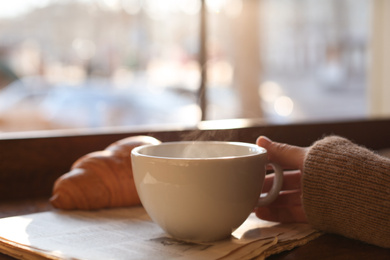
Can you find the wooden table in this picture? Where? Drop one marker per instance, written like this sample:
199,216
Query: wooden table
327,246
30,164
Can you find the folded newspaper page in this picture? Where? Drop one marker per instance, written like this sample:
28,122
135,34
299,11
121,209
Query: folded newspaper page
129,233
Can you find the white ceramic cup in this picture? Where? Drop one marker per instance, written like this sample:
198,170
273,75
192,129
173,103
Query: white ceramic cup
202,191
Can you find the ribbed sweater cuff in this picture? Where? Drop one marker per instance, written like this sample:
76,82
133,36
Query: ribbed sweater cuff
346,190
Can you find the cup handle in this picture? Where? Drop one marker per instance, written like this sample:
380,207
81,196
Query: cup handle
276,186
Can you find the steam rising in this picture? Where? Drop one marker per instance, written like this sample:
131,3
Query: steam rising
208,135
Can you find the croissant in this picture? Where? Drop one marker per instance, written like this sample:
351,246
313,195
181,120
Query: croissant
101,179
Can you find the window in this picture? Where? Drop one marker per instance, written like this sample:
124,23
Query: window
98,63
312,56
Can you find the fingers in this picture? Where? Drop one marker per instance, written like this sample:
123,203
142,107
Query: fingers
287,156
286,208
291,181
287,198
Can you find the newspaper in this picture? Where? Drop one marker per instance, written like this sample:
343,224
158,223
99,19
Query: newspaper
129,233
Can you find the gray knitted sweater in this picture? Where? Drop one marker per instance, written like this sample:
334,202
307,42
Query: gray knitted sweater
346,190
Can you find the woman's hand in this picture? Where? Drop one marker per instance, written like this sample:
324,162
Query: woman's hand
288,206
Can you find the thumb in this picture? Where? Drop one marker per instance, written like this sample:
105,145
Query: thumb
288,156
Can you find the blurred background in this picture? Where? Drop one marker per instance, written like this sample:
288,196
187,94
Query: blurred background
102,63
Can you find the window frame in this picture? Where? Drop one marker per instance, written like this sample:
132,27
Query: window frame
379,78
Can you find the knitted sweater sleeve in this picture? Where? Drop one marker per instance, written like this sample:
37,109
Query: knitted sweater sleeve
346,190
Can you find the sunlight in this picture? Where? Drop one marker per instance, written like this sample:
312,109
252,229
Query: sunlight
283,106
110,5
269,91
16,229
215,6
132,7
191,7
17,7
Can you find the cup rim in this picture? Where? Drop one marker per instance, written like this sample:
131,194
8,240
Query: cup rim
259,150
